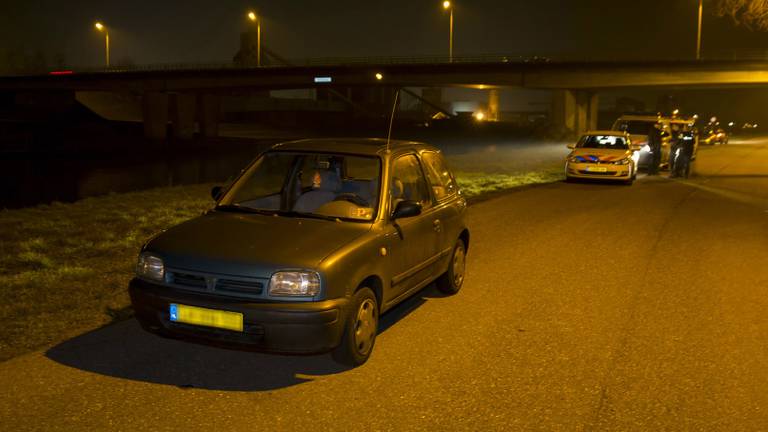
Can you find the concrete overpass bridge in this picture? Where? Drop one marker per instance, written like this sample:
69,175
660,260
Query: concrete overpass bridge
185,94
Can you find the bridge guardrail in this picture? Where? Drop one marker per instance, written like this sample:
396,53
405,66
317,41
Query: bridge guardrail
739,55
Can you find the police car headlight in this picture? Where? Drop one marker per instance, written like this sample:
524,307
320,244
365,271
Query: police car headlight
294,284
574,159
150,267
622,162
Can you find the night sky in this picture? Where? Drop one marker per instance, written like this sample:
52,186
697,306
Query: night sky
170,31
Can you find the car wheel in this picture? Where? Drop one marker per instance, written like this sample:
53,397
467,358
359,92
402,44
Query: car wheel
360,329
450,282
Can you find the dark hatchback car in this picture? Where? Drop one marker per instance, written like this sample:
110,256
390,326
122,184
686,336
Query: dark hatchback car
306,248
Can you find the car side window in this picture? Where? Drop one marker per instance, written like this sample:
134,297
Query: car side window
440,177
408,183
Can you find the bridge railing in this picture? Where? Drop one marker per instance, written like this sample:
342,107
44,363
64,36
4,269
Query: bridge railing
317,62
738,55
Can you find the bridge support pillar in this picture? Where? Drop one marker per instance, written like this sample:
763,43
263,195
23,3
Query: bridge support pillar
593,110
155,115
208,114
574,112
493,105
564,111
430,98
183,115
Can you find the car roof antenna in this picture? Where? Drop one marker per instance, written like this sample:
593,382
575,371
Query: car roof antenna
392,118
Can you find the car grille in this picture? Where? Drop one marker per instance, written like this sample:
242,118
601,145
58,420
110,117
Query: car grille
204,282
240,286
188,280
607,173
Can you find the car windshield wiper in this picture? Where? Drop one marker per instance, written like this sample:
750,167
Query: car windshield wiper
242,209
293,213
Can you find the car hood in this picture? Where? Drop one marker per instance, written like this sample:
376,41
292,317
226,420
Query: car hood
600,155
251,244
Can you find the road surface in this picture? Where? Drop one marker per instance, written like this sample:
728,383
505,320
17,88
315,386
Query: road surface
586,307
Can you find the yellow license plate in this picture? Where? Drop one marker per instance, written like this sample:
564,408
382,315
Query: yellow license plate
206,317
597,169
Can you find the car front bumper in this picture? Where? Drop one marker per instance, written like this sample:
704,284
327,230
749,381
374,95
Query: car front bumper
612,172
290,328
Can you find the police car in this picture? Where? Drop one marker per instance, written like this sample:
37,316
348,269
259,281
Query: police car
603,155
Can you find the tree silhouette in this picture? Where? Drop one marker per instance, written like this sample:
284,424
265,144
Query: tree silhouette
752,14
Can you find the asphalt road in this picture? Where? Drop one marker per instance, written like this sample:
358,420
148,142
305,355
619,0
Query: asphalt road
586,307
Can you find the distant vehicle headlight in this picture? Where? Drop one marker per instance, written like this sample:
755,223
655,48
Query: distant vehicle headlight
294,284
150,267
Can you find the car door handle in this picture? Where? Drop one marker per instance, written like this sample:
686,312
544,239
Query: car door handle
437,225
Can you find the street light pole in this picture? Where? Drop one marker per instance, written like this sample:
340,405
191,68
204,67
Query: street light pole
255,18
448,6
698,37
102,28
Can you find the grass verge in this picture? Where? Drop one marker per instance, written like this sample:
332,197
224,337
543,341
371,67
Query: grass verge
476,184
64,268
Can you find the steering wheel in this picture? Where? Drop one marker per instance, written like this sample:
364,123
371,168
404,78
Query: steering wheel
353,198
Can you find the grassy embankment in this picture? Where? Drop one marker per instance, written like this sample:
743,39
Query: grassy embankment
64,268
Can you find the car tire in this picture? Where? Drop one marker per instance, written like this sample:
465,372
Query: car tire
451,281
360,329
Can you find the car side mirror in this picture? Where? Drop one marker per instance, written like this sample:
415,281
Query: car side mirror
406,209
216,192
571,146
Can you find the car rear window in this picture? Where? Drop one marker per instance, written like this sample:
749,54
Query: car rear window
636,127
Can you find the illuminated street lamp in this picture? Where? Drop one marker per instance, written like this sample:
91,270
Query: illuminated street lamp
379,76
698,37
255,18
102,28
449,7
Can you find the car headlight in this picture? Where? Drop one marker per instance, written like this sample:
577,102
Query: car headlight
150,267
294,284
574,159
622,162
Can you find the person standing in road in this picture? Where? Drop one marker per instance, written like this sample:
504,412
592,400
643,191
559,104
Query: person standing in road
654,142
675,141
683,155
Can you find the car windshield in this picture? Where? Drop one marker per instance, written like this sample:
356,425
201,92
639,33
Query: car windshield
603,142
320,185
